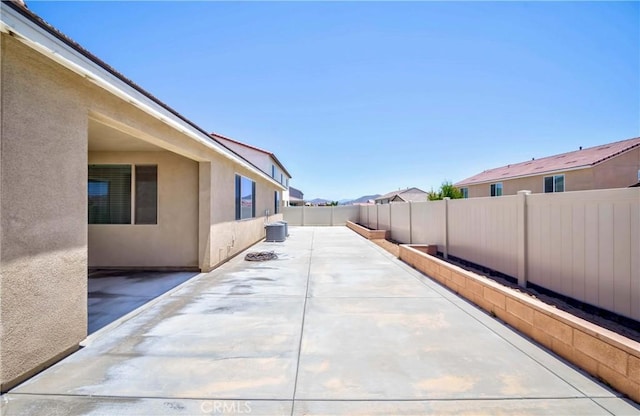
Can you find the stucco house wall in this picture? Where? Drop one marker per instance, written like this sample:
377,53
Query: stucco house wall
46,244
225,235
43,204
618,172
173,241
260,159
575,180
264,160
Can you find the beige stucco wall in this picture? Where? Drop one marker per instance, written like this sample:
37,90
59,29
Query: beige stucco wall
43,225
618,172
173,241
226,236
43,205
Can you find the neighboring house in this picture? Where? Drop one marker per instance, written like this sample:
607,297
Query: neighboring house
296,197
263,159
404,195
613,165
97,173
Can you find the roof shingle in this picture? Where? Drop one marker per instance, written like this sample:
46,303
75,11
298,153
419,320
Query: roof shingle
571,160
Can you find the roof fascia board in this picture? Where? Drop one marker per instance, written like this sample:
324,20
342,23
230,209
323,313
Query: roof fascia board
24,29
549,172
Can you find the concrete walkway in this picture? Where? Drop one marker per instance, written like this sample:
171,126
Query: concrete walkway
335,326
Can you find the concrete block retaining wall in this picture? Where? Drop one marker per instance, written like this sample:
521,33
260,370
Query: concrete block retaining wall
367,233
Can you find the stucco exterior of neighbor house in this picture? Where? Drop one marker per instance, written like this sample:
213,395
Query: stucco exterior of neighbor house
263,159
97,173
403,195
296,197
612,165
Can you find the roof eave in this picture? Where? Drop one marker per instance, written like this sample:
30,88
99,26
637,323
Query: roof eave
495,180
16,21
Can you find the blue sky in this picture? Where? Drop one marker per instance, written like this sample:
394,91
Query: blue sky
359,98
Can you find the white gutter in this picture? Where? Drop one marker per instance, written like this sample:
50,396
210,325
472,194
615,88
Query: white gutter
23,29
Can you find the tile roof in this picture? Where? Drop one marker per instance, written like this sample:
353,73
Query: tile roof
583,158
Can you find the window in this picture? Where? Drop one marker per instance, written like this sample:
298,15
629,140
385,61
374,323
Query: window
496,189
554,183
465,192
276,198
281,179
287,185
110,194
245,198
273,171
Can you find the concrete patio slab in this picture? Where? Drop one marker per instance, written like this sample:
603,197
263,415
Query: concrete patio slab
412,349
533,407
114,293
334,326
110,406
204,347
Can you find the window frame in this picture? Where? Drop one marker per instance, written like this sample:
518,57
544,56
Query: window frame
554,183
238,197
494,187
465,192
133,193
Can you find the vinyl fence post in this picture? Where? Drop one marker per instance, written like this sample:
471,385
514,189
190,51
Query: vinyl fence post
445,250
522,238
390,224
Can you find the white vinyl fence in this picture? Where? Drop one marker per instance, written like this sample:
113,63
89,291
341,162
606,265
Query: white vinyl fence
584,245
321,215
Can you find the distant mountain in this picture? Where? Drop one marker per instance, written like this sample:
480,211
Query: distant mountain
361,200
319,201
